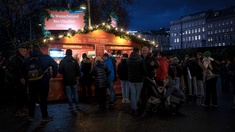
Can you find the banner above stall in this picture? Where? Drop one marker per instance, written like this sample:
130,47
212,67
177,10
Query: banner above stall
95,37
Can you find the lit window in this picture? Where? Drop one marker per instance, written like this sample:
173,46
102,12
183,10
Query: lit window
199,30
196,37
203,29
192,30
174,40
192,38
178,40
195,30
215,31
189,38
189,32
199,37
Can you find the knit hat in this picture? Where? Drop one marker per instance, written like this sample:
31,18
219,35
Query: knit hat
84,55
68,52
207,53
125,55
106,54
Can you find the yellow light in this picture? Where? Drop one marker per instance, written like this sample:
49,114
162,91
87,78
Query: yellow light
51,38
60,36
121,29
108,27
44,40
103,23
116,28
139,36
90,27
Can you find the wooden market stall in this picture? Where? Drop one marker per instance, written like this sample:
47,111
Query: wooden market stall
94,43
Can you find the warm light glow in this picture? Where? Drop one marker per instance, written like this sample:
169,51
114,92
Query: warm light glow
108,26
90,27
51,38
44,40
139,36
60,36
116,28
121,29
103,23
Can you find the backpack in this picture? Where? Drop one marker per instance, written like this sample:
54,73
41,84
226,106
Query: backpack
214,66
35,69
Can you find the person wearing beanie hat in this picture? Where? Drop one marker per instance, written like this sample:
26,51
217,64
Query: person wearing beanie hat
210,81
70,70
207,53
84,55
69,52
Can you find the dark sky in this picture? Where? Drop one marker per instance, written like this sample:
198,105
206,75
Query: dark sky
154,14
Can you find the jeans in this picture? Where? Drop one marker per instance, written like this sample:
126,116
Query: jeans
125,89
192,85
177,82
72,91
111,92
200,84
135,93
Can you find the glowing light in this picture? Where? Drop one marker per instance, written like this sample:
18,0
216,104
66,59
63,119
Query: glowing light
60,36
44,40
51,38
103,23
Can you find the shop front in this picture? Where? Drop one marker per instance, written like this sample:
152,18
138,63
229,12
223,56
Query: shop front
94,43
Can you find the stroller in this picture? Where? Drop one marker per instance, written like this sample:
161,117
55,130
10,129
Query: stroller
168,98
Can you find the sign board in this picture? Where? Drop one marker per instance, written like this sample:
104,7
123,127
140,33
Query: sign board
63,20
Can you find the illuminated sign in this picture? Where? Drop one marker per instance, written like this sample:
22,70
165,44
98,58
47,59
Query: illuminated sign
63,20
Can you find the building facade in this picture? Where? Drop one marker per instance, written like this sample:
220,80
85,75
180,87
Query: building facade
203,29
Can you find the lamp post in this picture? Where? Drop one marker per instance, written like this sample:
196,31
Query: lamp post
89,13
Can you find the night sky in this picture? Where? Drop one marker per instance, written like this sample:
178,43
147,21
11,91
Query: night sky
155,14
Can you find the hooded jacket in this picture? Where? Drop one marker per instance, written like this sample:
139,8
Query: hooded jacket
136,68
70,69
85,67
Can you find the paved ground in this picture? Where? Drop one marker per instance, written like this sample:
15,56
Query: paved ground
192,117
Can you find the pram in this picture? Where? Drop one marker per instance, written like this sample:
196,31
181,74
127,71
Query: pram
167,98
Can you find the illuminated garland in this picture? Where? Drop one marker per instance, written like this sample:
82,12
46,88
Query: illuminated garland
106,28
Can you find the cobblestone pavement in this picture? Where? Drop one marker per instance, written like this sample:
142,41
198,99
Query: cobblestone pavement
192,117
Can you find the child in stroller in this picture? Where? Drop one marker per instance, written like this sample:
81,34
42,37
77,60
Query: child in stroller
164,96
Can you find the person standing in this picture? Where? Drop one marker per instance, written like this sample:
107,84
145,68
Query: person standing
19,80
162,70
233,80
151,66
210,81
39,87
199,74
122,72
111,77
100,73
136,74
86,76
70,70
2,76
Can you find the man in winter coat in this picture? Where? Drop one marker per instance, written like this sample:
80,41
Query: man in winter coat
86,76
108,62
151,66
122,72
70,70
136,74
19,80
40,87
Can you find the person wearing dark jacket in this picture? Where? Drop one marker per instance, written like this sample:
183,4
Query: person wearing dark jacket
70,70
122,72
100,72
151,66
136,74
19,81
40,87
85,75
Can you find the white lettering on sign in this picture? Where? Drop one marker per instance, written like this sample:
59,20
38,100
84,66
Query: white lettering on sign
72,46
120,48
64,16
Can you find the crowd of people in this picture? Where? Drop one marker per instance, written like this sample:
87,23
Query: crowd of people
194,75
